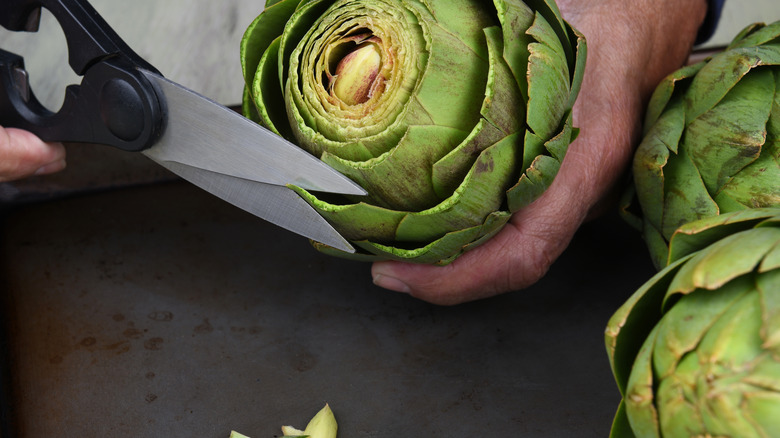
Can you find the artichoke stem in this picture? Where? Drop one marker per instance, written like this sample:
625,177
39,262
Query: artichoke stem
356,74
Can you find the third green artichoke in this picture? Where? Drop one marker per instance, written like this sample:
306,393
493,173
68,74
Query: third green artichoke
452,114
696,350
712,139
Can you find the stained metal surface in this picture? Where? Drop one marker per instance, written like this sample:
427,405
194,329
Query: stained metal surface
163,311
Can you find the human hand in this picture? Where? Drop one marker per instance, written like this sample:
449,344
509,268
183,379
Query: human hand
22,154
631,47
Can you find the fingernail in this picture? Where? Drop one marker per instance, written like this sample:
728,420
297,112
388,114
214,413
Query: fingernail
391,283
51,168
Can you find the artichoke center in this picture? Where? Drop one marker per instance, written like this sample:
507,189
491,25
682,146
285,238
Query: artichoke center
357,77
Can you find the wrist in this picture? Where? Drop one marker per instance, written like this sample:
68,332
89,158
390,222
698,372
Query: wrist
675,27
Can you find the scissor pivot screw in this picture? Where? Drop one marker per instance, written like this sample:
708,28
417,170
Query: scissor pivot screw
122,109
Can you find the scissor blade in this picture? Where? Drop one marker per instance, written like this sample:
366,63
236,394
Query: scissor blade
276,204
204,134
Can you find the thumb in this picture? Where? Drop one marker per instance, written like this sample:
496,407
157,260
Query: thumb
23,154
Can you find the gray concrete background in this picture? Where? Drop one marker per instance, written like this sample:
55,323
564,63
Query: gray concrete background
195,42
739,13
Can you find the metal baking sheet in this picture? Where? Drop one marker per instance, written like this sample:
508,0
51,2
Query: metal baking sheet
163,311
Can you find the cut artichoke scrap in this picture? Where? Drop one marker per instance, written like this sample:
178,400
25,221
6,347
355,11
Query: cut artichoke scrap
712,139
451,114
696,350
322,425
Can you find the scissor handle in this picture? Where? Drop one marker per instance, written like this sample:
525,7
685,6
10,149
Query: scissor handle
115,104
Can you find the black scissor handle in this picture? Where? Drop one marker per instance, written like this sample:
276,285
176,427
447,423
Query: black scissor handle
115,104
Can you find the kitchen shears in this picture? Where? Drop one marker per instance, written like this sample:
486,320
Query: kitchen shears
125,102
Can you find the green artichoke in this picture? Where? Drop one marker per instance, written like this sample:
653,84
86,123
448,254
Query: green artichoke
452,114
696,350
712,139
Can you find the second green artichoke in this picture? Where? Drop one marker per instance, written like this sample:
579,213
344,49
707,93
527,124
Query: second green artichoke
452,114
712,139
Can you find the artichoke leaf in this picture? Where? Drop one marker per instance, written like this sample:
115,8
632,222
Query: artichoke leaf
267,95
771,260
621,428
631,324
756,34
686,198
760,409
448,173
481,192
685,324
261,32
559,144
402,179
503,105
754,186
452,88
516,17
444,250
357,221
651,157
304,17
675,400
773,125
500,118
548,81
248,105
729,137
732,341
639,396
442,11
663,94
718,77
724,260
579,66
768,285
533,182
549,10
695,236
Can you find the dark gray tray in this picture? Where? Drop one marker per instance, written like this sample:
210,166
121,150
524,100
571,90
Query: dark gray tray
160,311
